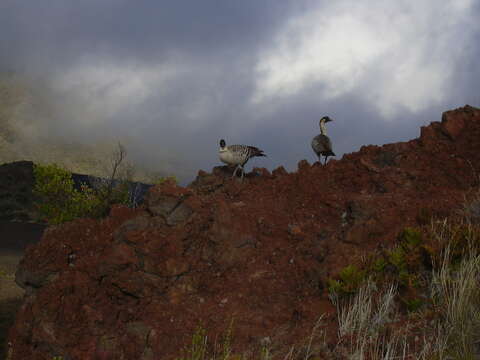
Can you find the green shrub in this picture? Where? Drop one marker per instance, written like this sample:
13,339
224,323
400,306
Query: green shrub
162,179
413,305
396,257
351,277
410,238
378,265
57,200
198,348
107,194
335,286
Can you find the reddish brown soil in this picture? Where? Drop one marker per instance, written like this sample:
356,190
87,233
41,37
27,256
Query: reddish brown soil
137,284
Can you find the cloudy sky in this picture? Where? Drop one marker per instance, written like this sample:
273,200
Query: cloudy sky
170,78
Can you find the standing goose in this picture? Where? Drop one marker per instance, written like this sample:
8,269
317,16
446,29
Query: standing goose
237,155
321,143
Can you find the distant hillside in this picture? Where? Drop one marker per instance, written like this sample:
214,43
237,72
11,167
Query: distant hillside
21,110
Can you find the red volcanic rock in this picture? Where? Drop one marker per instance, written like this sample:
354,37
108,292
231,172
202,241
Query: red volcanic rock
280,171
453,121
137,284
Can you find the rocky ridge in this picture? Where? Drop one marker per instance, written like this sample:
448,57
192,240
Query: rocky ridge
137,284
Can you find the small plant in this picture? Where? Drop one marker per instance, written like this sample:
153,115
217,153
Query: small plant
108,195
265,353
198,348
227,342
162,179
57,200
351,277
410,238
334,286
413,305
396,257
379,265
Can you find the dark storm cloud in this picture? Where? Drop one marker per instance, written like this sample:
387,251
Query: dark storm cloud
60,31
174,77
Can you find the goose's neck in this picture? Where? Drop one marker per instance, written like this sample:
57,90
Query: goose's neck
323,128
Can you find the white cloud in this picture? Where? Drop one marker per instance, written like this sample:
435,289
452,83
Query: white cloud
395,54
108,88
176,93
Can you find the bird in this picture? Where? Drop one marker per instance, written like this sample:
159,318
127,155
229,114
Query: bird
237,155
321,143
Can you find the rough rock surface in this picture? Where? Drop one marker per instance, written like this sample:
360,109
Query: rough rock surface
16,182
137,284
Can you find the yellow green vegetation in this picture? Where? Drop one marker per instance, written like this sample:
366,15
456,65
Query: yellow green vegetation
160,180
350,279
200,347
433,273
400,264
57,201
220,348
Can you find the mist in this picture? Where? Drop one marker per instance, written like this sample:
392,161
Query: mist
168,79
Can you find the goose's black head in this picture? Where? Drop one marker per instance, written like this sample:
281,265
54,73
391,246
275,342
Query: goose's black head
222,143
326,119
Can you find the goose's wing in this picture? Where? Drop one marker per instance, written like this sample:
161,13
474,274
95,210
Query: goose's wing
254,151
321,143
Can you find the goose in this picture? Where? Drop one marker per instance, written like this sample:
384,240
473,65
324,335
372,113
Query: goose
237,155
321,143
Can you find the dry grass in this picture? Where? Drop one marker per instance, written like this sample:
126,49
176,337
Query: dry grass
456,292
362,331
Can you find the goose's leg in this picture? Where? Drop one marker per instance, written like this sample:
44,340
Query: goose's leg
235,171
243,172
325,162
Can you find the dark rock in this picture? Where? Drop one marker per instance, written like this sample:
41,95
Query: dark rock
168,201
303,165
162,205
386,158
180,214
223,171
261,172
280,171
16,198
30,280
16,236
206,183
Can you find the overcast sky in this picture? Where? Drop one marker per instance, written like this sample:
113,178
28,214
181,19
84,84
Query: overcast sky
174,77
